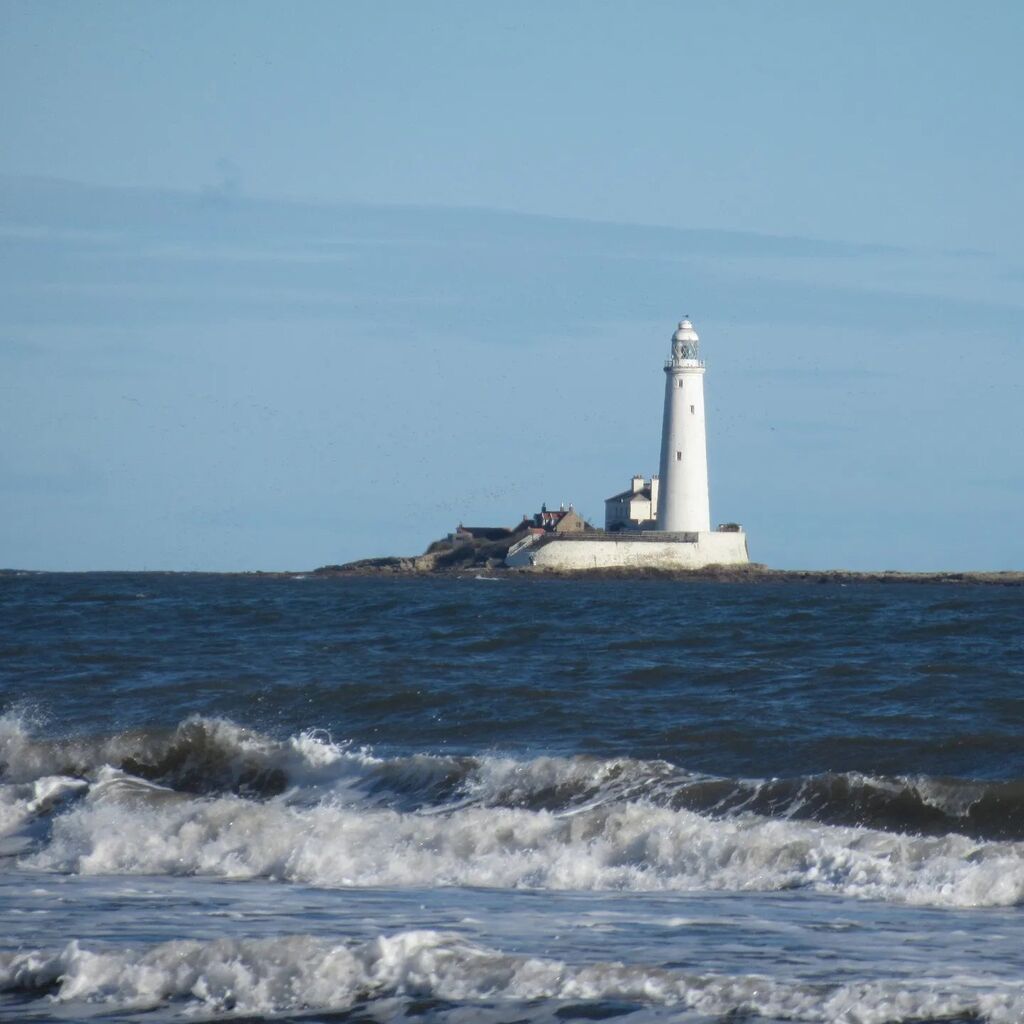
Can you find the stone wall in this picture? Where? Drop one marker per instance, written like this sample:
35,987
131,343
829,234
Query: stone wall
683,551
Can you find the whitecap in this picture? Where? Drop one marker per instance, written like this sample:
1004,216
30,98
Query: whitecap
302,973
624,846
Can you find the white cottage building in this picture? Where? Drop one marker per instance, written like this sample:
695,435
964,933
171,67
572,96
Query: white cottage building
635,509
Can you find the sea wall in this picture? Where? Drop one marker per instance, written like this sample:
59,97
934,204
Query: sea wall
645,551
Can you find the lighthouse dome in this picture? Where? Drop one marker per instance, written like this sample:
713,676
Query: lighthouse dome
685,332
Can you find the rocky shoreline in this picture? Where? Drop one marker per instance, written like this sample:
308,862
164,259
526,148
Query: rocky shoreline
711,574
486,559
405,568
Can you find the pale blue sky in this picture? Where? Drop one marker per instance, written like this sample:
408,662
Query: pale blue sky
291,284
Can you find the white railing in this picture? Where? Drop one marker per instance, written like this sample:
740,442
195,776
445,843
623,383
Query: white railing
521,545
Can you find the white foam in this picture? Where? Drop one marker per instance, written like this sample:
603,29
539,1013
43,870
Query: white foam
505,780
631,846
21,802
954,798
300,972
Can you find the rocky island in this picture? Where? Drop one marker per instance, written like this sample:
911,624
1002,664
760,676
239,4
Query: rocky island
470,556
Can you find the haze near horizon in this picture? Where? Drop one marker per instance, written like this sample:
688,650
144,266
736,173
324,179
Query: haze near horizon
291,287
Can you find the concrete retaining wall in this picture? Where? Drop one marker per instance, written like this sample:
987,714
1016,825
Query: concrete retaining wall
604,552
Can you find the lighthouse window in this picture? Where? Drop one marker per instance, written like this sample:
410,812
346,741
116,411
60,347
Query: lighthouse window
693,409
679,456
679,382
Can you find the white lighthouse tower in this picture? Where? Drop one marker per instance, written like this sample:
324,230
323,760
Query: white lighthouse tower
676,500
683,505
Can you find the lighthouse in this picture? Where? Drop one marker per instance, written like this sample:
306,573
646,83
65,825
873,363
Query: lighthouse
683,505
663,522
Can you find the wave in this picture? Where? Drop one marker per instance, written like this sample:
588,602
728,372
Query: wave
124,826
211,756
295,973
213,798
201,755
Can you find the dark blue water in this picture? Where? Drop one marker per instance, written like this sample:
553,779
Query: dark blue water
524,799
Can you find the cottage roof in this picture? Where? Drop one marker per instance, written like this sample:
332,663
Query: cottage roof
644,492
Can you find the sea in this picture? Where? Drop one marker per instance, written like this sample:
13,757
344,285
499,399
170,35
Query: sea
462,799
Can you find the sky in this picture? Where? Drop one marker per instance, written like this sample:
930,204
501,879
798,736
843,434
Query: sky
288,285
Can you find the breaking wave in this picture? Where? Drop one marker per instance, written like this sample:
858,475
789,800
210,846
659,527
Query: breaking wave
213,798
123,827
261,976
